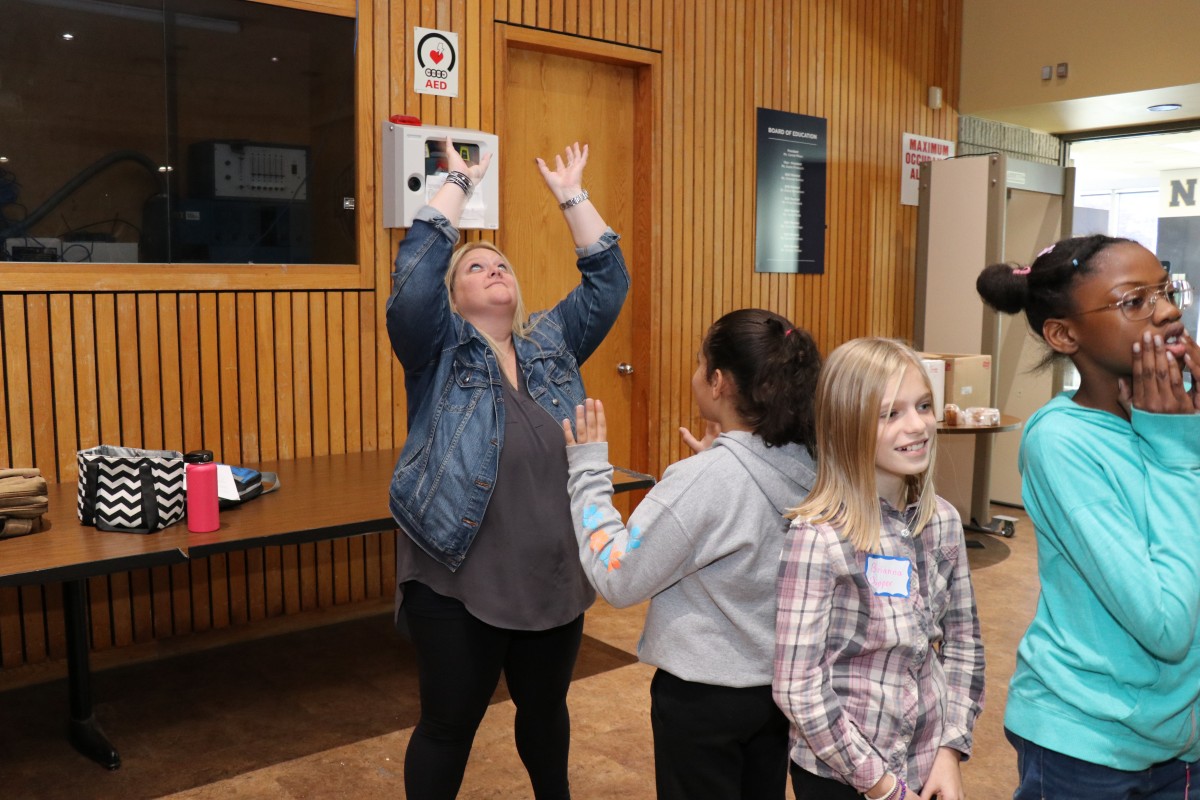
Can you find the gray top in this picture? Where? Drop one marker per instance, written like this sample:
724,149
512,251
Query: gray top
522,572
704,546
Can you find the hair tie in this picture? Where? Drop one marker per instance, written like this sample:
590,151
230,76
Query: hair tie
1022,270
1074,262
1043,252
788,332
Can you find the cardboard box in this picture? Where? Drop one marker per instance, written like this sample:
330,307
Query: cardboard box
968,378
935,368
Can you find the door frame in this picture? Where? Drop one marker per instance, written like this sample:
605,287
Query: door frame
644,272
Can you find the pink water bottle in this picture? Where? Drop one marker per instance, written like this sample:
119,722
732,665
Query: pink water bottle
202,514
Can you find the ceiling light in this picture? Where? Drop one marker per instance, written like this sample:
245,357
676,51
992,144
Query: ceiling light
1165,107
3,159
68,37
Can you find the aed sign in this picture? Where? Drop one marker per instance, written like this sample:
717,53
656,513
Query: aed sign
1179,193
436,67
914,151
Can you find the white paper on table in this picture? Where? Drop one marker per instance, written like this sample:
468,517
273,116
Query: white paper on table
226,485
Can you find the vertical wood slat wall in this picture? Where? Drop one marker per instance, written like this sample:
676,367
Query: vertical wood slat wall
264,375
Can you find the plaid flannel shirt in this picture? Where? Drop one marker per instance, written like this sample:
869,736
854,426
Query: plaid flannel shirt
875,683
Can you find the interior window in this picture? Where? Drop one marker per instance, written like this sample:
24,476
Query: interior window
169,131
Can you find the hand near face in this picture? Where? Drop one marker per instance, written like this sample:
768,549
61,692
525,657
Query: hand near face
590,425
1191,359
1157,383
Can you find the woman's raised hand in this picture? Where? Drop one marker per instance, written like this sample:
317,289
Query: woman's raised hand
455,163
589,424
566,179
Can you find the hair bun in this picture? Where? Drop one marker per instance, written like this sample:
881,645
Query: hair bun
1004,287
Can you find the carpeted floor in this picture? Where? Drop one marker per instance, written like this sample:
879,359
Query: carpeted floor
325,711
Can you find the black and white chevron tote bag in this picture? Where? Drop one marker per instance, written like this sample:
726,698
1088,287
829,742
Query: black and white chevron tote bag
130,490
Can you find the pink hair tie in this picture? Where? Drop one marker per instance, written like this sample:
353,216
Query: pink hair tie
788,332
1022,270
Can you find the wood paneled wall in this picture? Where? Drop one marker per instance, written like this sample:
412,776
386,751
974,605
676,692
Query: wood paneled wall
256,374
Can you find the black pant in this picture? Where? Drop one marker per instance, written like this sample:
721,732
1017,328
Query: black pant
813,787
459,660
717,741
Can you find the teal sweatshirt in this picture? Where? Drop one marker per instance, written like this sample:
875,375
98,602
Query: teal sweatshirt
1109,669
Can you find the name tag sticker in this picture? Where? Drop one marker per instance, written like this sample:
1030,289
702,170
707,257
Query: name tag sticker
889,576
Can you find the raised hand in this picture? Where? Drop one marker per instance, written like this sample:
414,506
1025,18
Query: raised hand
455,163
711,431
566,179
590,425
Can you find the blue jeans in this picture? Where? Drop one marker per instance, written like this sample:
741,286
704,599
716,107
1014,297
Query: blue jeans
1049,775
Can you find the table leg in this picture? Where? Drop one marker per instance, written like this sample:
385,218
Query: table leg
982,520
84,734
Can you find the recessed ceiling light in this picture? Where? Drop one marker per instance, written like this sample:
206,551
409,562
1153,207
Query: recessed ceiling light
3,159
1165,107
68,37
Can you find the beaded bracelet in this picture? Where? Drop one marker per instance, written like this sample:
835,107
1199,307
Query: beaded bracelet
898,791
461,180
574,201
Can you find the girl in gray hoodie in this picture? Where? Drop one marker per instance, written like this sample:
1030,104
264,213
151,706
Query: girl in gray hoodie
704,547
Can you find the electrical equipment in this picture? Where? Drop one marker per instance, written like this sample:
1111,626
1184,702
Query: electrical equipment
414,168
31,248
248,171
241,231
100,252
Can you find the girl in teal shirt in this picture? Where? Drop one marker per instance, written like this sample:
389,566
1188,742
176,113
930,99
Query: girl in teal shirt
1105,699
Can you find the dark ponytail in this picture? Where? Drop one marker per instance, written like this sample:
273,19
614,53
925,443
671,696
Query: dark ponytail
1043,290
774,367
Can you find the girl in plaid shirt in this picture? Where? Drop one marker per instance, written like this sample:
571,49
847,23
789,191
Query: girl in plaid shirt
878,659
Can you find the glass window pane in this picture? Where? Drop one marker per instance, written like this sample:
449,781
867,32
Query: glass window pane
178,131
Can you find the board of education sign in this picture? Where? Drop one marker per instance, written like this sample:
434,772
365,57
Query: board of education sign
789,233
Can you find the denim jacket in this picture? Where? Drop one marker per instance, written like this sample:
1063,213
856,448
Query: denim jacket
444,477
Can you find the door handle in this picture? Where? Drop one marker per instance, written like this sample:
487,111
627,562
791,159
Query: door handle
624,368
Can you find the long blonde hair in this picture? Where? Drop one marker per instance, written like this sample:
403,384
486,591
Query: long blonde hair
850,392
521,325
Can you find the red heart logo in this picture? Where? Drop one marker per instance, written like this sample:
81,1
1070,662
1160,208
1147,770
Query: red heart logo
437,56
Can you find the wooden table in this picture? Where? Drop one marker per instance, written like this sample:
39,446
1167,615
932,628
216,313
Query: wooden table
981,478
323,497
71,553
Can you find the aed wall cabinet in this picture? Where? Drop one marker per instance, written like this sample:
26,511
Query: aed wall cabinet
414,168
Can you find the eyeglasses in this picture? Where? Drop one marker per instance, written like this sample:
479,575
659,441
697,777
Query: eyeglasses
1138,304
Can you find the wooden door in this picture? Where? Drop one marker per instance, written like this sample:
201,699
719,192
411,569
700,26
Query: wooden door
551,100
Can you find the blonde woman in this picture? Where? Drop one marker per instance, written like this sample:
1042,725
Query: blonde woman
488,576
878,660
